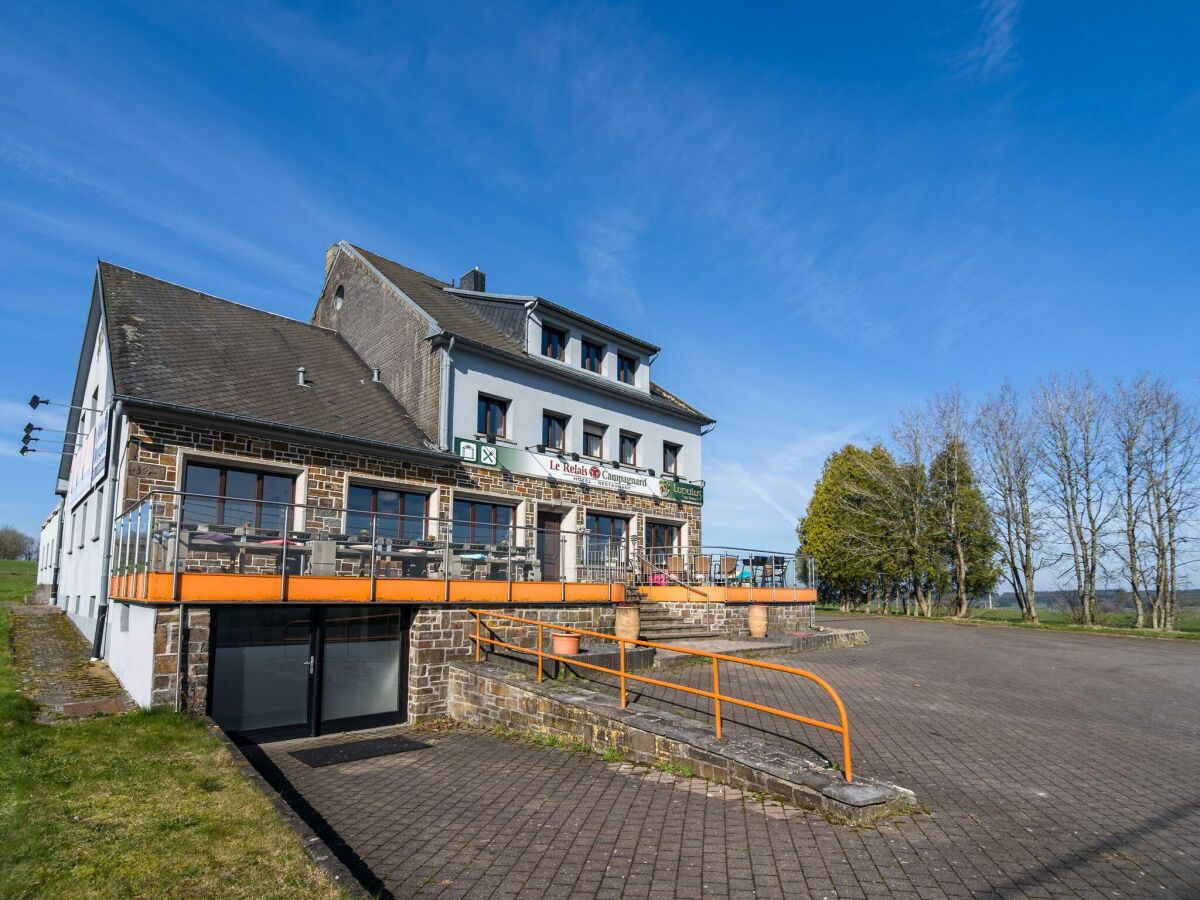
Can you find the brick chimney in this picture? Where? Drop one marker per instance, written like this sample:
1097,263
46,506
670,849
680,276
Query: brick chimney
473,281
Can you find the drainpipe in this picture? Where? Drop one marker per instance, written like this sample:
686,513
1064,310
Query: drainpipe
62,510
114,462
444,424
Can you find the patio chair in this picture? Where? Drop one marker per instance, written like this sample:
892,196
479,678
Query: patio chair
727,570
701,568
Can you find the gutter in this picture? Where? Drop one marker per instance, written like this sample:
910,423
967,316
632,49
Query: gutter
326,436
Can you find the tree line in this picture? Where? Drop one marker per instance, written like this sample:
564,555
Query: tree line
1072,479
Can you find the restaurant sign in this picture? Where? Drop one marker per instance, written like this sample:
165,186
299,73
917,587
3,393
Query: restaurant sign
588,473
89,464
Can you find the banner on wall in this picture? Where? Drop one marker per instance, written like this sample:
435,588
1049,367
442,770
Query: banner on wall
89,465
589,473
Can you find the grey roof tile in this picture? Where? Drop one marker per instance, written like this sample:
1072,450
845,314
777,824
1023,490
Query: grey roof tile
170,344
460,315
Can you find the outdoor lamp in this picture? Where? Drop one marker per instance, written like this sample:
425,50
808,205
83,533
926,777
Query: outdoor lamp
35,401
26,449
30,428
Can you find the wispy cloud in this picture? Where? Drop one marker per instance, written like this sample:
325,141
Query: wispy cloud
994,50
757,489
606,248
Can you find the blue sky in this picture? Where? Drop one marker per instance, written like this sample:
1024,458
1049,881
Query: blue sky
823,212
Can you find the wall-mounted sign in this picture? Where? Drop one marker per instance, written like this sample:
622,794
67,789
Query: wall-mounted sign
89,465
589,473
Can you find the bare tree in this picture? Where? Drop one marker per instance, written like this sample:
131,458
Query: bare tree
1008,447
1171,458
948,484
1130,421
1071,416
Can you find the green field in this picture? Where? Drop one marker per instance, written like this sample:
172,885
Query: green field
142,805
1060,620
17,578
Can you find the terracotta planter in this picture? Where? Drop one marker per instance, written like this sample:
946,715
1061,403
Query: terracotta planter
564,643
629,622
758,620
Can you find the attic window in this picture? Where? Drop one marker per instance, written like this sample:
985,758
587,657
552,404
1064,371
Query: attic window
339,297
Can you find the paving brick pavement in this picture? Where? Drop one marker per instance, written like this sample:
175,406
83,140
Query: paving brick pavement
53,663
1051,765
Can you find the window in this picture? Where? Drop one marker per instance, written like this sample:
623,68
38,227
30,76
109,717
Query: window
82,523
223,496
339,297
71,536
593,440
124,616
493,416
671,458
627,368
398,514
554,343
554,431
629,442
92,606
593,356
606,540
478,522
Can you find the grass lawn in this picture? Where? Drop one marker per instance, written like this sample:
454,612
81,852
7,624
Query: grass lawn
147,804
1057,620
17,578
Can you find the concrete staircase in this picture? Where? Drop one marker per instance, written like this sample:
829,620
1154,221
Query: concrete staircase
660,625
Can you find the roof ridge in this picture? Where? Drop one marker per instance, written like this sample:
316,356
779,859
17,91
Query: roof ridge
191,290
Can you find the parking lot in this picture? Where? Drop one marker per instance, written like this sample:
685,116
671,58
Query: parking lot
1048,764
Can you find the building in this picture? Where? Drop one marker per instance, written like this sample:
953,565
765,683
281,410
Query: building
283,524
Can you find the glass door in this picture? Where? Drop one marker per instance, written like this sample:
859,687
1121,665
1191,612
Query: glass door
291,671
362,651
262,671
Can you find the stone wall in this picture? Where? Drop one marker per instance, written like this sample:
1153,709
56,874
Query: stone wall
158,446
166,658
732,619
489,697
440,636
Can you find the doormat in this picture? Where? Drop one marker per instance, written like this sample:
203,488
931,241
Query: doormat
316,757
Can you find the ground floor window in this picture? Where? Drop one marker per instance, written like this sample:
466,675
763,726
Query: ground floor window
398,514
220,495
481,522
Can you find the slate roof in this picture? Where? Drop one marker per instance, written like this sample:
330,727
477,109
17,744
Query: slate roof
177,346
460,316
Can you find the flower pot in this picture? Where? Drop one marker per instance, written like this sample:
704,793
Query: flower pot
629,622
758,620
564,643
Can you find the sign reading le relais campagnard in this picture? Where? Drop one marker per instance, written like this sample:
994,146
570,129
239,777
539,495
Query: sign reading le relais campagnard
590,473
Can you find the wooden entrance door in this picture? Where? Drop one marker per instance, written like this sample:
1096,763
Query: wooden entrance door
549,544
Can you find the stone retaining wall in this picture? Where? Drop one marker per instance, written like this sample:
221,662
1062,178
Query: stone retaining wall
732,619
487,696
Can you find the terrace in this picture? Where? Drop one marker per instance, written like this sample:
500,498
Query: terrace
173,546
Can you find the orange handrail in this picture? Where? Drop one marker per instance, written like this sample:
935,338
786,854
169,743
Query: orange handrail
715,694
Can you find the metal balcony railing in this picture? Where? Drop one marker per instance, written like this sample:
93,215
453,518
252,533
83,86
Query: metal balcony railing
177,534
